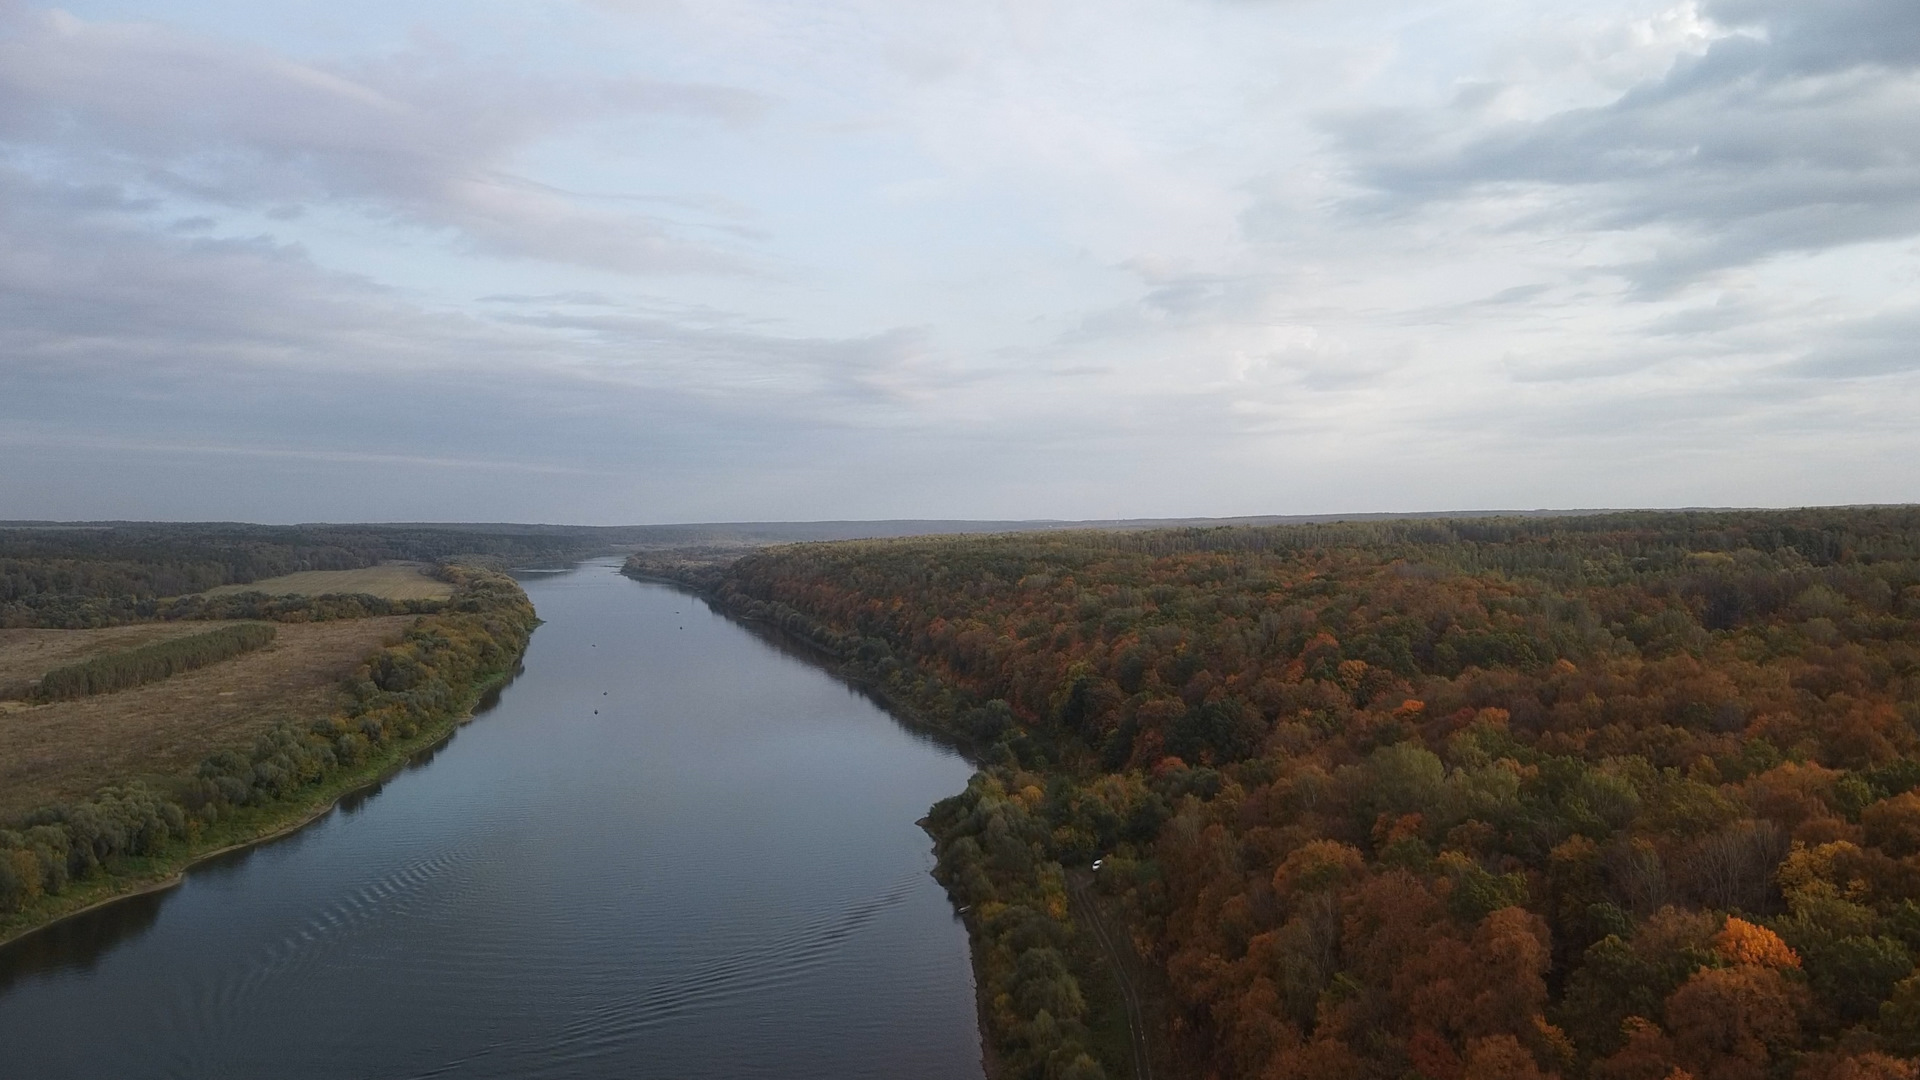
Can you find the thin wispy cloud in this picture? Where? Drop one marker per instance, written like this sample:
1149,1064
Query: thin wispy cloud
1794,131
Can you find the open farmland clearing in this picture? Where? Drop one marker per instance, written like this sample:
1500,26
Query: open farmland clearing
393,581
70,748
25,655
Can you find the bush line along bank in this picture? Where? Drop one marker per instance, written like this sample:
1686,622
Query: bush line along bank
418,687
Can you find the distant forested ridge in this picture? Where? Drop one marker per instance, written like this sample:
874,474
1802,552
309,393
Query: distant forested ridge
1625,796
71,577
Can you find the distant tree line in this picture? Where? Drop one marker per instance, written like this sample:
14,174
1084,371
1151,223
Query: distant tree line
1619,797
327,607
124,669
403,690
78,613
77,577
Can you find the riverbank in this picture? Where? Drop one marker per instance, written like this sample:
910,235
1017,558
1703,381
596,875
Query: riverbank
669,849
158,873
700,581
64,751
1090,1032
138,839
790,630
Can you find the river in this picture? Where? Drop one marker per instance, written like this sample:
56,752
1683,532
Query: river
669,849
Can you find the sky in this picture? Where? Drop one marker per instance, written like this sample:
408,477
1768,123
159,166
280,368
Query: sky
630,261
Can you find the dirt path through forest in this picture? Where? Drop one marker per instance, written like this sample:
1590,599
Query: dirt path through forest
1089,911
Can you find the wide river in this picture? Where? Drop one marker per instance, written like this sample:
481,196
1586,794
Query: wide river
668,850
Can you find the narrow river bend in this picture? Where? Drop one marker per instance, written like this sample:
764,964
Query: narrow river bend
669,850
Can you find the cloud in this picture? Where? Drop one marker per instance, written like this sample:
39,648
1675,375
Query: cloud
1886,344
87,295
1796,130
649,259
417,137
186,377
898,366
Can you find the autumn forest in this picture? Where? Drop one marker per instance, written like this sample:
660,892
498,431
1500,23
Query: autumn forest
1627,797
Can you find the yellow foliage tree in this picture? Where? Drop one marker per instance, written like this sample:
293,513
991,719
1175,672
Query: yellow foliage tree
1742,942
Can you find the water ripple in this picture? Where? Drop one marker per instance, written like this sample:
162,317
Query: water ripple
618,1018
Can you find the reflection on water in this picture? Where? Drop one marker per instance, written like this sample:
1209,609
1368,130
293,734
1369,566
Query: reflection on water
78,942
669,851
797,648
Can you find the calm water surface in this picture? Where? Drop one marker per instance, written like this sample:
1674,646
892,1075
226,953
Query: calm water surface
669,850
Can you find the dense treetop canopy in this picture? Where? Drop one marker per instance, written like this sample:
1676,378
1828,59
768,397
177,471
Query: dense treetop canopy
1617,796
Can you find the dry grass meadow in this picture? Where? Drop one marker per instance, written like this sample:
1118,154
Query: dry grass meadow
395,581
71,748
26,655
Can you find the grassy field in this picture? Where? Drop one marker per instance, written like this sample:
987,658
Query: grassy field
28,654
70,748
394,581
239,827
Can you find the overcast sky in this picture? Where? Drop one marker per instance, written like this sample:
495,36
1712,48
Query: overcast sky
651,260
